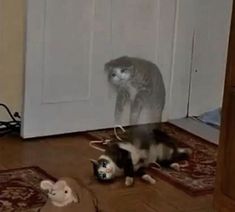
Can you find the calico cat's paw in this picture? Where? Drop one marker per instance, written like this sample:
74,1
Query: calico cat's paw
129,181
149,179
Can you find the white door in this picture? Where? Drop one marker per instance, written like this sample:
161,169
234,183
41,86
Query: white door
211,34
68,42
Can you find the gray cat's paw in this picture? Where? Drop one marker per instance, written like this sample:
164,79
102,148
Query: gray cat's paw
149,179
129,181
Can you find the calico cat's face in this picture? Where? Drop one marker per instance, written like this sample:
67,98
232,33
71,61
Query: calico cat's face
118,75
104,170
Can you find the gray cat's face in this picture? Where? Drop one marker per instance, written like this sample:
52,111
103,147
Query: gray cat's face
119,76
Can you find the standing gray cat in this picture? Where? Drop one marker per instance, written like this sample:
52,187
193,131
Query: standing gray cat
138,81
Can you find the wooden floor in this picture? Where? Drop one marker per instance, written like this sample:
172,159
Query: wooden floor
68,156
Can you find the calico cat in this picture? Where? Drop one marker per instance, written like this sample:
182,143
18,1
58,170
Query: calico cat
130,158
140,82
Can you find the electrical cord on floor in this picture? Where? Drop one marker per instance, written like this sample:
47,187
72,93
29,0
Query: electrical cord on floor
12,126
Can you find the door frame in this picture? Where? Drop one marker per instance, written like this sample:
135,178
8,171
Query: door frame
223,202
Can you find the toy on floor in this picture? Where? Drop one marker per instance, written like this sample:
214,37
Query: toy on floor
68,195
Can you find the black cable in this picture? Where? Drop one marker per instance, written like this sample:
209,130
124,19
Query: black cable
13,126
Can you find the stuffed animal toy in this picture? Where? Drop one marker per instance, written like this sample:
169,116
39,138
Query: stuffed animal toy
68,195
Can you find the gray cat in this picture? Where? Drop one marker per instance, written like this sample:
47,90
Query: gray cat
138,81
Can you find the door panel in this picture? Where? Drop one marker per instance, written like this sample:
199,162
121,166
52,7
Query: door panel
68,43
133,32
68,28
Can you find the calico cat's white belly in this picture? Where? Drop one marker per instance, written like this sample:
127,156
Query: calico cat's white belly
146,156
158,152
143,157
137,154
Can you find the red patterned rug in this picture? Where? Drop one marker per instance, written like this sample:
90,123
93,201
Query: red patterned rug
20,189
196,176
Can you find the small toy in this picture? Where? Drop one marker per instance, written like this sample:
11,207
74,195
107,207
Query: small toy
68,195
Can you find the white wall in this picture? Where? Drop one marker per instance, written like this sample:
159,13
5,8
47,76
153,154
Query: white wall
12,14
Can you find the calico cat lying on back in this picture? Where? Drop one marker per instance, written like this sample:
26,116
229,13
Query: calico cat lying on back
130,158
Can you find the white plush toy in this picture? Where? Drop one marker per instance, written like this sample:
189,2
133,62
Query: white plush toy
67,195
